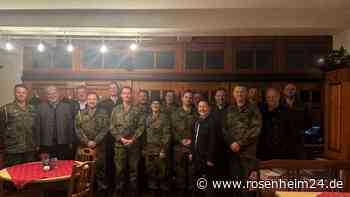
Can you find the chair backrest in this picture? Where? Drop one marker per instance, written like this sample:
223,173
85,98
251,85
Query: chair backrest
82,180
85,154
312,170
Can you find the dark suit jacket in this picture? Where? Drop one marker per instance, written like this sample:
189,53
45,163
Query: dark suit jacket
279,139
46,119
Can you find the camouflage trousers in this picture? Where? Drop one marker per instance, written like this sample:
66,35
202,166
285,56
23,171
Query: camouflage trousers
126,160
183,169
18,158
101,167
240,168
157,171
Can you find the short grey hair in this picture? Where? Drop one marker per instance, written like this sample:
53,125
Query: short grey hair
51,87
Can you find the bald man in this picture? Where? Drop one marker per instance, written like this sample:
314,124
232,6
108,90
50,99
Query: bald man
278,138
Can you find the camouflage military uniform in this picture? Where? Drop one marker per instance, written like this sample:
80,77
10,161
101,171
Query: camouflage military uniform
157,141
182,127
16,126
242,125
93,125
169,110
143,110
129,125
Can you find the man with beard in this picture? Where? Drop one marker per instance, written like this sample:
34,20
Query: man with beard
91,126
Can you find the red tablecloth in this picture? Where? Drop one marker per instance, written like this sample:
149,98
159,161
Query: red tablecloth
25,173
334,194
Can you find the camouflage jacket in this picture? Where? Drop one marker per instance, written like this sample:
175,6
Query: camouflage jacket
182,124
169,110
129,125
16,126
157,134
243,126
91,126
143,109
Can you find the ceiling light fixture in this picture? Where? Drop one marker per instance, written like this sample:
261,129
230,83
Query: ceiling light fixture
70,47
103,48
41,47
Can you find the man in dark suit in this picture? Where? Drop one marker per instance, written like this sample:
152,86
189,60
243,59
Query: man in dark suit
81,103
54,126
108,105
113,100
278,138
218,112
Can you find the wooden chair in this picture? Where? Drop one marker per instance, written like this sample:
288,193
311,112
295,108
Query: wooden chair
82,180
85,154
304,169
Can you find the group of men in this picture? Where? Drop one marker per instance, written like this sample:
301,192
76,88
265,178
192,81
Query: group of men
174,144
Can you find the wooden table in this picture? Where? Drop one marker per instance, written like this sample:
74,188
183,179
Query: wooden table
39,184
297,194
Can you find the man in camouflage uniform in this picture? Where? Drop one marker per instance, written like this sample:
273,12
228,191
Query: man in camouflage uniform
127,126
156,147
91,126
142,105
143,108
16,125
241,131
169,106
183,123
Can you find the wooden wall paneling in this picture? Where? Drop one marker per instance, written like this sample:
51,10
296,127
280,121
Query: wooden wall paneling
345,114
337,109
180,57
77,59
27,58
228,57
179,87
234,55
280,64
333,119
